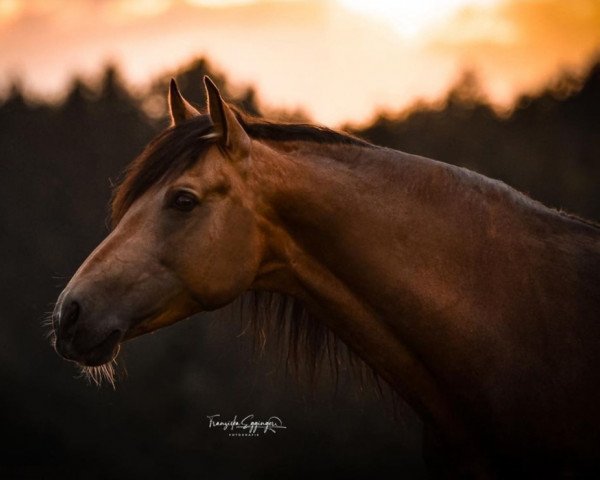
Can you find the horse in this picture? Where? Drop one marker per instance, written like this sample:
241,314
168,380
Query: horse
479,306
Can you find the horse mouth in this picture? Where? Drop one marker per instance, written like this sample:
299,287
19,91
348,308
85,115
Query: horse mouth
100,354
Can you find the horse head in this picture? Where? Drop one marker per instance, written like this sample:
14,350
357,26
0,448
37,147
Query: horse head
185,236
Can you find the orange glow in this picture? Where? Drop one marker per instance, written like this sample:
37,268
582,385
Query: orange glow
9,9
410,19
338,60
134,8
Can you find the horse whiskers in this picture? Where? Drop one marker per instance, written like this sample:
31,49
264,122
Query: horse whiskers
48,326
101,374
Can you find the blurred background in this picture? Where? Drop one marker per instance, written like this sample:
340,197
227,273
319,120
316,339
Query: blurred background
509,88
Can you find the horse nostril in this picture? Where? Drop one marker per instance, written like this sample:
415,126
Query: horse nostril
68,318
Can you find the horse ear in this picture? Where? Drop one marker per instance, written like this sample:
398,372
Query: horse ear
232,136
179,107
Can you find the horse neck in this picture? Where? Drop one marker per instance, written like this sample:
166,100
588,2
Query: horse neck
396,230
427,271
401,231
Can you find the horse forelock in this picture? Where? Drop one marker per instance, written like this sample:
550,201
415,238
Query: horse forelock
173,151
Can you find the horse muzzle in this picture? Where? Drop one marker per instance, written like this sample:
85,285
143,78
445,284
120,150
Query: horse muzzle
84,338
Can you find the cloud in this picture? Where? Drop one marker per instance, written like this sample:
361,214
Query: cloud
520,44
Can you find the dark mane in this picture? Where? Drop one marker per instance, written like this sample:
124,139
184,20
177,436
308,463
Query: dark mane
305,346
284,132
178,148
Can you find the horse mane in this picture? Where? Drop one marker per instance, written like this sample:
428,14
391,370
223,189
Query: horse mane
261,129
179,147
304,346
303,341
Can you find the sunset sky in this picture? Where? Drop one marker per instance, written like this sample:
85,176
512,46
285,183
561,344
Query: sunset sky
338,60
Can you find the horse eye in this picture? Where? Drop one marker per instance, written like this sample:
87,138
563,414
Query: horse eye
184,201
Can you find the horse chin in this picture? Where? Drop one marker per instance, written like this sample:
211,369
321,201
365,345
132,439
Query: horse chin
97,359
102,353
